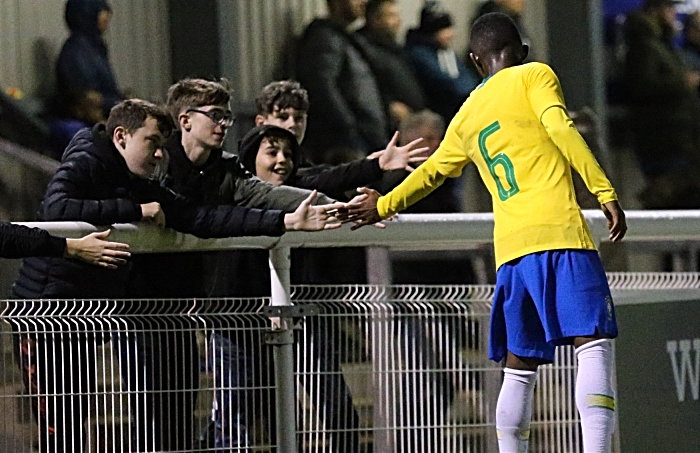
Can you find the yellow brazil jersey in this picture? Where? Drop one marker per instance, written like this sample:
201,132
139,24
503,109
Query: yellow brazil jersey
515,129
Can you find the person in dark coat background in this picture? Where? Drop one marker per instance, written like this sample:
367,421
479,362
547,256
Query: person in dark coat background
347,118
445,79
511,8
83,63
662,96
398,85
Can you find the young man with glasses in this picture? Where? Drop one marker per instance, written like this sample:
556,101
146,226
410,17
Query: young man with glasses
196,171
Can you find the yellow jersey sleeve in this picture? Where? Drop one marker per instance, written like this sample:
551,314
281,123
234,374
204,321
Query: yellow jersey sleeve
543,89
563,133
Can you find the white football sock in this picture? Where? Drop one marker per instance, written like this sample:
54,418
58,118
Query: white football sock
514,410
595,397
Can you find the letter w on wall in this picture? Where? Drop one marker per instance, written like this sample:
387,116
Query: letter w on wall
689,367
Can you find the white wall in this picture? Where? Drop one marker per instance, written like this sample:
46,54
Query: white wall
32,31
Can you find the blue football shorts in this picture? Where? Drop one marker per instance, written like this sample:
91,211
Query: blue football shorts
545,299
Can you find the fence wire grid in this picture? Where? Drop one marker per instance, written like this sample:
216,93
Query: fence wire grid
379,369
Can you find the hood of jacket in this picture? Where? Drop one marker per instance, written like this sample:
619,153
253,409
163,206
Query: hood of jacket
81,16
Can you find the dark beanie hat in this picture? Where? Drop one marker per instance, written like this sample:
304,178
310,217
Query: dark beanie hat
250,143
433,18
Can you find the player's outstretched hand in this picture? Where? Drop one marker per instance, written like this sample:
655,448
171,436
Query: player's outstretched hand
362,210
400,157
94,249
616,220
308,217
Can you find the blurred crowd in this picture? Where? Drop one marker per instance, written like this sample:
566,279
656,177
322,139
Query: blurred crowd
655,77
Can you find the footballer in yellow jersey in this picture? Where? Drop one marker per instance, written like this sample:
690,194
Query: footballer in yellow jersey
551,289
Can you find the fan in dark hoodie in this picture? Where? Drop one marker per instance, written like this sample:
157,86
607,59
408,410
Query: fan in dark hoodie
83,63
445,80
273,155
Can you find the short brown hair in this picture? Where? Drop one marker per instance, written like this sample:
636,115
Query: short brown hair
282,94
194,93
131,114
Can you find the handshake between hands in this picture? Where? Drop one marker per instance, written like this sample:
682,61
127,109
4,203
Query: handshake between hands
361,210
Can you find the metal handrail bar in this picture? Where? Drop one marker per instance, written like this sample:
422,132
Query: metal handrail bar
407,231
29,157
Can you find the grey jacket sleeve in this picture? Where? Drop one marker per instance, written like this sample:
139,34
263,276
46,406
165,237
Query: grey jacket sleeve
255,193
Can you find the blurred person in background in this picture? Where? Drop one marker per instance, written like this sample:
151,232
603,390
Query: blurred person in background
398,85
690,51
445,80
74,111
347,118
83,63
662,95
431,128
511,8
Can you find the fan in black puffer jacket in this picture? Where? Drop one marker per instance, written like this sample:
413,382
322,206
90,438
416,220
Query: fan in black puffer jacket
57,353
94,185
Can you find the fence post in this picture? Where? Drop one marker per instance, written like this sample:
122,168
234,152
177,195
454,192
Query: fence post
280,264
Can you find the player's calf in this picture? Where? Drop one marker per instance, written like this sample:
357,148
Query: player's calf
595,397
514,410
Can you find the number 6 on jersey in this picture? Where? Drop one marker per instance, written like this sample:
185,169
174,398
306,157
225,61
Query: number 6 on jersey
499,159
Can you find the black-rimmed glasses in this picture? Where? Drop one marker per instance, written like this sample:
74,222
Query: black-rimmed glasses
217,116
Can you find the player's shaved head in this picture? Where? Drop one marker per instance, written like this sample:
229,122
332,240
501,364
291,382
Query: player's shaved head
492,33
